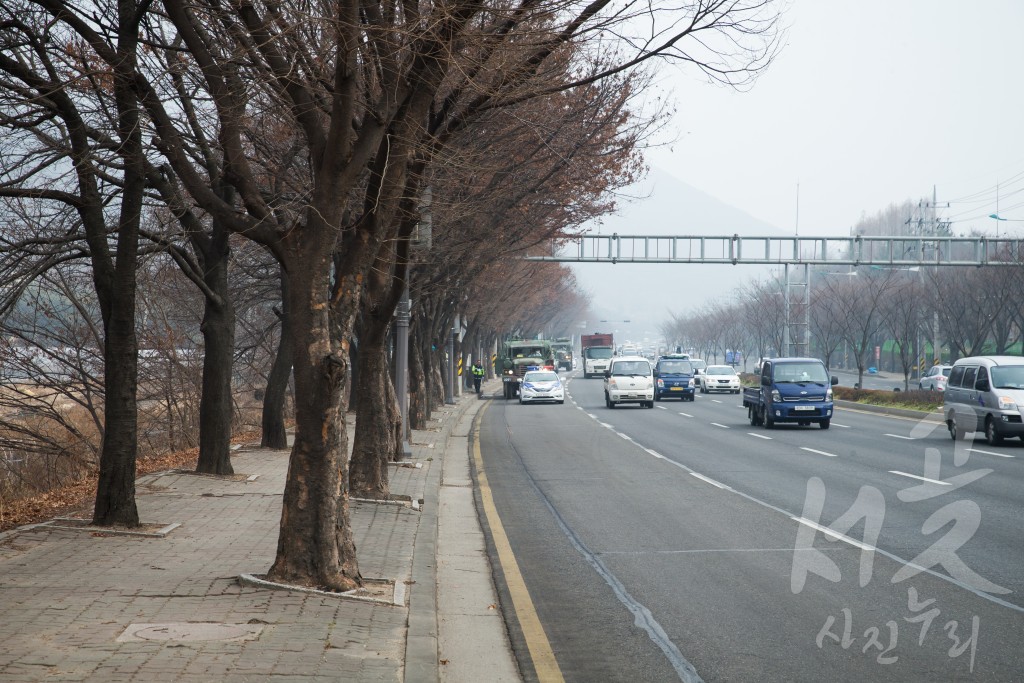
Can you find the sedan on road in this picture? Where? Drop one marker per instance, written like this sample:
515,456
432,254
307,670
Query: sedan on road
541,385
719,378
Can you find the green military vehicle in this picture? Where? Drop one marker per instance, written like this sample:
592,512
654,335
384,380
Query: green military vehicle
563,353
519,355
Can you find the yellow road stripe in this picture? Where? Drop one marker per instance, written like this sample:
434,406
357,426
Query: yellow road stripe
536,640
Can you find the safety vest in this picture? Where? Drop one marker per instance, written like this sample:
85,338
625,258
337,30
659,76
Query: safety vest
478,371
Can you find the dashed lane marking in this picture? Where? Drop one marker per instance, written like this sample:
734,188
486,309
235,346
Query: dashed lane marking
914,476
709,480
760,436
716,424
999,455
812,450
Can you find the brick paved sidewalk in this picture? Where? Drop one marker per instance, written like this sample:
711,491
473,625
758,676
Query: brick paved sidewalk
79,604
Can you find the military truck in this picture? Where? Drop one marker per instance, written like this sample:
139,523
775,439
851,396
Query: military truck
562,348
518,356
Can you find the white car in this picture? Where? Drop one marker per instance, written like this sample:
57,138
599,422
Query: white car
541,385
719,378
629,379
935,379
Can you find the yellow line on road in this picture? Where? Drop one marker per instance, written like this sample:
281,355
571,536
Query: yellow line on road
543,657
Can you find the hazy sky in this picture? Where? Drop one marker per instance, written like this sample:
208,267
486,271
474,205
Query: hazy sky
869,103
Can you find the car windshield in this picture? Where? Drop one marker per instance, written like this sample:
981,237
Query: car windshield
529,352
604,352
675,367
632,367
540,377
801,372
1008,377
720,370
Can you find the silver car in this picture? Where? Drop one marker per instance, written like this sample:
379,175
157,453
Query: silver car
935,379
985,394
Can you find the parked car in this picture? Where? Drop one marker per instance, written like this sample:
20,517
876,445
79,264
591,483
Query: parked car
673,377
629,379
719,378
985,393
541,385
935,379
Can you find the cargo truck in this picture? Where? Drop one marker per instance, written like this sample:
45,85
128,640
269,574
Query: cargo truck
791,390
598,349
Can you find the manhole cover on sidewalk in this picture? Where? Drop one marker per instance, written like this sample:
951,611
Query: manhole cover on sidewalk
185,631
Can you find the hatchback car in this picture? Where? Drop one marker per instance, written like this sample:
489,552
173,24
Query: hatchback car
935,379
541,385
719,378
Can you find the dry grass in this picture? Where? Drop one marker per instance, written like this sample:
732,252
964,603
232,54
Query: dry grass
81,495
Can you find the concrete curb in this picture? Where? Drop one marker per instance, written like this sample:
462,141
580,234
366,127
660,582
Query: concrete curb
421,650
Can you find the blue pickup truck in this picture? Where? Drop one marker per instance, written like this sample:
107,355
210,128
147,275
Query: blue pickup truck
791,390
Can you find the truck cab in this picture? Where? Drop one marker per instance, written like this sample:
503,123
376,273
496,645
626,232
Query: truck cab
794,390
520,356
674,377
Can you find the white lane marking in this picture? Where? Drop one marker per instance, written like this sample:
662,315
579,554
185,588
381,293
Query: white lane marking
836,424
708,480
655,453
1001,455
624,436
812,450
686,415
606,425
834,534
897,436
914,476
715,400
591,415
760,436
661,407
715,424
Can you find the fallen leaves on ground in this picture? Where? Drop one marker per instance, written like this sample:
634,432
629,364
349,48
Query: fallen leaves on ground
81,495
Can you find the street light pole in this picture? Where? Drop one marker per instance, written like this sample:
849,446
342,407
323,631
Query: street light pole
402,366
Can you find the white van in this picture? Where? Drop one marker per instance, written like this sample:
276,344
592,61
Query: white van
985,394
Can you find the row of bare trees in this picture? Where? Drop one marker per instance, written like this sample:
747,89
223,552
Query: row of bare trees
280,154
853,311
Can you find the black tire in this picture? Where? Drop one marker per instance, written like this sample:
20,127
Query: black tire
608,402
825,424
650,404
752,416
769,423
992,437
559,402
955,432
657,396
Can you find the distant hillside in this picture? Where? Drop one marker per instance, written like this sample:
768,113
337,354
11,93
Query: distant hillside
644,294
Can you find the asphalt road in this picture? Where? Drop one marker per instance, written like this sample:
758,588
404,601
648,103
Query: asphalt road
664,544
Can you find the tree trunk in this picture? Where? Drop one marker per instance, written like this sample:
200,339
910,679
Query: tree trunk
218,330
274,432
418,389
315,545
374,442
115,283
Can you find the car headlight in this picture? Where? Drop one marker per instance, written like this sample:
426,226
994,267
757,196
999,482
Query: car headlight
661,383
611,384
776,396
1007,403
689,384
828,395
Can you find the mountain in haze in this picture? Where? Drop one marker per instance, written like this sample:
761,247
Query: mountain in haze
645,294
